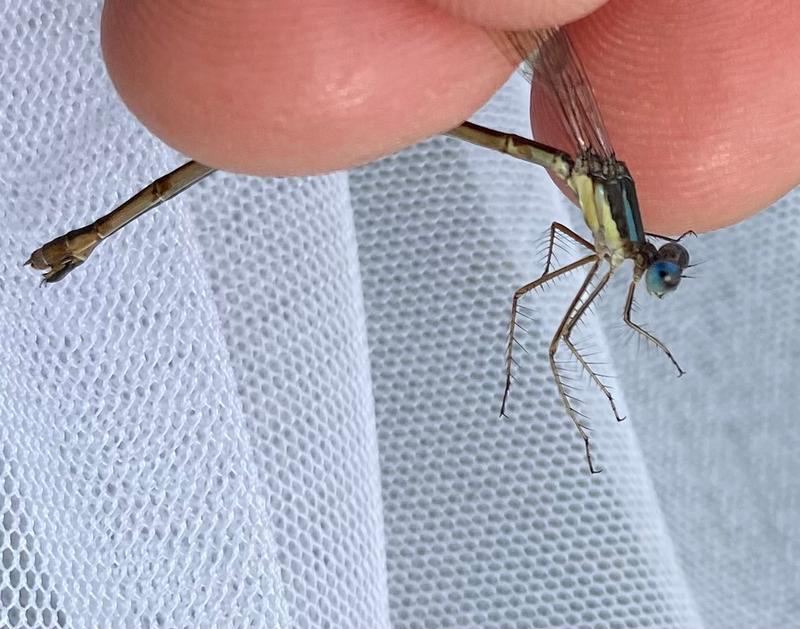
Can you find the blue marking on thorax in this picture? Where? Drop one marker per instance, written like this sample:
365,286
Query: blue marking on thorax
633,219
633,232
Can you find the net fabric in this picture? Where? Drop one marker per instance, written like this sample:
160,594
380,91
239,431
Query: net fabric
174,459
274,403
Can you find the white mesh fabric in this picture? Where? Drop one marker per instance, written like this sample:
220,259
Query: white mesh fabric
274,403
177,454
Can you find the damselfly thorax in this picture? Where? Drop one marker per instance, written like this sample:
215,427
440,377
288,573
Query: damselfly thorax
607,197
603,187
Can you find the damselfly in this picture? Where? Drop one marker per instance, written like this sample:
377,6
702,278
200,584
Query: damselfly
606,194
602,185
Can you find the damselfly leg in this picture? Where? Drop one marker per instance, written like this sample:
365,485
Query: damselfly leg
580,304
567,334
577,238
626,317
518,294
670,238
563,388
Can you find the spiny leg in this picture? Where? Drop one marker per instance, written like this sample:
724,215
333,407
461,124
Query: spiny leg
554,227
626,316
578,356
670,238
514,311
560,385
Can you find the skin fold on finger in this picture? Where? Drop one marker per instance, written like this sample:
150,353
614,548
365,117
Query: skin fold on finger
700,100
286,88
519,14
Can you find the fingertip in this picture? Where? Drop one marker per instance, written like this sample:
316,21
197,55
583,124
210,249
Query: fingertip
281,89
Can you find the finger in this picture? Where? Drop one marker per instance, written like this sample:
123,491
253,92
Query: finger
519,14
700,100
291,87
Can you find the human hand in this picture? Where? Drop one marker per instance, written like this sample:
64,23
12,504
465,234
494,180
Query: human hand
700,99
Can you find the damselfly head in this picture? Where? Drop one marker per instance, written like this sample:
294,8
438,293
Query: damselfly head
666,269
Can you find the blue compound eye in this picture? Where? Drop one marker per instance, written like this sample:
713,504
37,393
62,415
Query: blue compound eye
665,271
663,277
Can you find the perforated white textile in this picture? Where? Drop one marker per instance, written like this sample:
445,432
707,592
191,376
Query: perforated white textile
297,426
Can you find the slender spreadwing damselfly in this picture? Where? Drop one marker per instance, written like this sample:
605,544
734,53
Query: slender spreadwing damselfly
602,186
